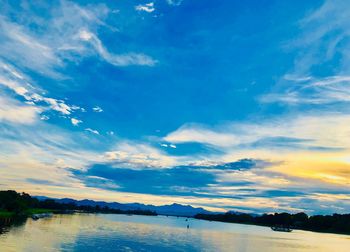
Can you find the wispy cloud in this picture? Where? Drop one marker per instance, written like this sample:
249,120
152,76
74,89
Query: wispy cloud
14,80
93,131
42,147
20,46
321,71
115,59
328,90
307,131
46,49
12,111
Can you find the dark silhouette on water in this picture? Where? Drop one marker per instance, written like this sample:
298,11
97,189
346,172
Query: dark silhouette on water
281,229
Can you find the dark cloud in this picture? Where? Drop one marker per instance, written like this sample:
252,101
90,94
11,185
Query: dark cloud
280,193
242,164
180,180
42,182
173,181
185,149
291,143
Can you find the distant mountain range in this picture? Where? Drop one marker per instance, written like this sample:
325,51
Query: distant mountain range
173,209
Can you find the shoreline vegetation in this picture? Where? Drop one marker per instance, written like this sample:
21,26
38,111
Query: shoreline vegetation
16,207
336,223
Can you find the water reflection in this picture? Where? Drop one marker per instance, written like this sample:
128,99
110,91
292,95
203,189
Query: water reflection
84,232
7,223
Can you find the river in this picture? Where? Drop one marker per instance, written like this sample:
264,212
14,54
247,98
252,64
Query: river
110,232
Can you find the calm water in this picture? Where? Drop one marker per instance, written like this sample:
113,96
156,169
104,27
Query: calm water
90,232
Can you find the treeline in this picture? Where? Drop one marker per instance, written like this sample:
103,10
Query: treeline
336,223
21,203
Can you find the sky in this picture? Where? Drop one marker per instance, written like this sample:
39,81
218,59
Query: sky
227,105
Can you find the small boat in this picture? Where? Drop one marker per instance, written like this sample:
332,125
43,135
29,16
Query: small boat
42,215
281,229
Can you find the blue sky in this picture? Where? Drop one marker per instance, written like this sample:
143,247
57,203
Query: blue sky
230,105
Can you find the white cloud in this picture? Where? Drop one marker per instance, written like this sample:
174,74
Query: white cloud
149,7
85,35
168,145
201,134
75,121
44,118
58,105
138,155
97,109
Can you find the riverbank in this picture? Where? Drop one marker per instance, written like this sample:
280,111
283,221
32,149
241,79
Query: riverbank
9,218
335,224
14,205
6,214
27,213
